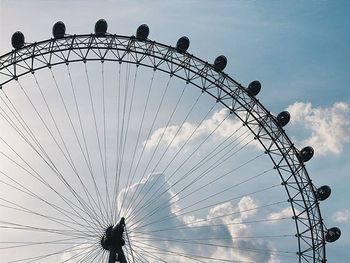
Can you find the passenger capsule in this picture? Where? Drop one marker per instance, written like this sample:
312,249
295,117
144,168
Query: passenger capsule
323,192
283,118
142,32
59,30
220,63
101,27
333,234
183,44
17,40
254,87
306,153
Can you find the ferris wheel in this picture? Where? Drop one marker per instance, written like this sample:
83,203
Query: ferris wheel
123,149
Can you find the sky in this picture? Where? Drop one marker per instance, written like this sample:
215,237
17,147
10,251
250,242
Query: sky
298,50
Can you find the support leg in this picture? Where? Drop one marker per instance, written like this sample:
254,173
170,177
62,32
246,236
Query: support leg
121,256
116,255
112,254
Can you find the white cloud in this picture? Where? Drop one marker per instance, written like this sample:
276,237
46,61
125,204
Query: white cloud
329,126
245,208
342,216
77,252
221,123
285,213
196,231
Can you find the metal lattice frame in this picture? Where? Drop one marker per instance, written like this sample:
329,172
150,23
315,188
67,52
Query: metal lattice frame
295,179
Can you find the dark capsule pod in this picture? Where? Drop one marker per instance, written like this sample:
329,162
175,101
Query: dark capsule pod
220,63
323,192
306,153
254,87
59,30
142,32
101,27
283,118
333,234
17,40
183,44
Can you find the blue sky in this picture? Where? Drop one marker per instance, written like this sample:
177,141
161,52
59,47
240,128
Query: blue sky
299,50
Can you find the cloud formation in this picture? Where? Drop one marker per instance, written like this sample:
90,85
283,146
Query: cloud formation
342,216
77,251
161,227
329,126
285,213
221,124
326,129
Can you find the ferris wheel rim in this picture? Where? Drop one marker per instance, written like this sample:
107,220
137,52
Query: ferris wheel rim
27,58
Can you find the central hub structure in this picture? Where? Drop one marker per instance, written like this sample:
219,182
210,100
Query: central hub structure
113,241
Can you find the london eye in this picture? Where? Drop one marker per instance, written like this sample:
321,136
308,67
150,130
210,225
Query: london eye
120,148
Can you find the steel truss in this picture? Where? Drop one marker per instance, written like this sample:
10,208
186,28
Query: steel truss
299,187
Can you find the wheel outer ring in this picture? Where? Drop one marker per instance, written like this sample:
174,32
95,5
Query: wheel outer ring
227,91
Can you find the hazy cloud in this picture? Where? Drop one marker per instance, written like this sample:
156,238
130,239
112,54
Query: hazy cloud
162,219
77,252
285,213
329,126
342,216
221,123
327,129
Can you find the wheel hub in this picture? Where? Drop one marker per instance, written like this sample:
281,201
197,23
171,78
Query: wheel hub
113,236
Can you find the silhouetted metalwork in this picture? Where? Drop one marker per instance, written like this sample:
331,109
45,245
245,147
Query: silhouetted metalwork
288,161
113,241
